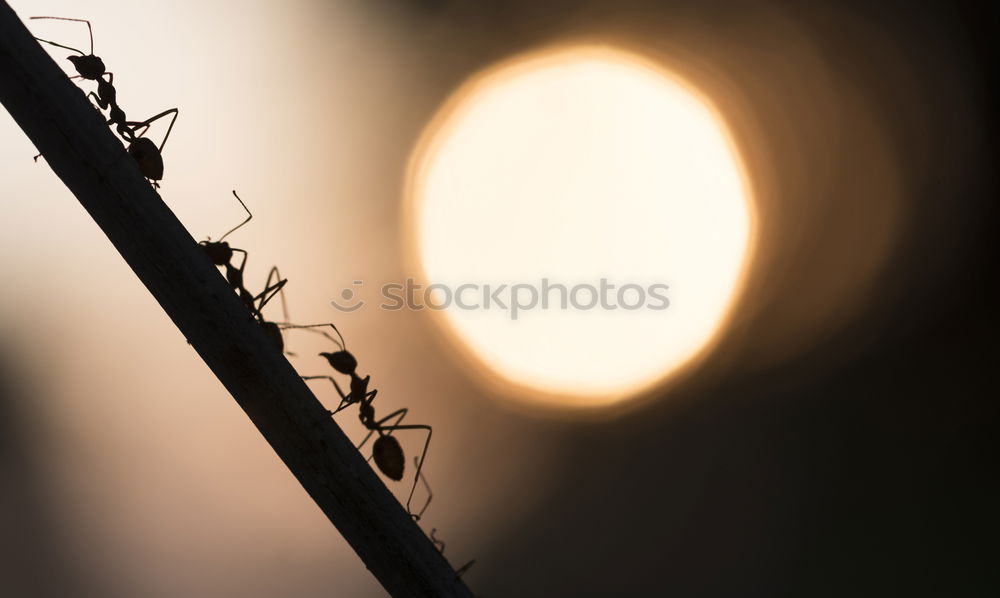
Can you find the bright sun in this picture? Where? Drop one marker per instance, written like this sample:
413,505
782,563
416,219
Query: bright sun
578,168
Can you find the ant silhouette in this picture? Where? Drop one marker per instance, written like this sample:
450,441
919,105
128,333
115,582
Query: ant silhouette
386,450
273,330
221,254
90,67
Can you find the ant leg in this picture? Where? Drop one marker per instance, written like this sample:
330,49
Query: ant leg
117,118
400,413
461,570
423,455
104,105
430,497
268,293
345,400
280,290
149,121
276,275
245,254
272,275
256,309
235,275
311,328
134,127
439,544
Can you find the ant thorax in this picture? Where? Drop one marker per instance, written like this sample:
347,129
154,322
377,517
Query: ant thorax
106,90
366,413
90,67
234,276
359,386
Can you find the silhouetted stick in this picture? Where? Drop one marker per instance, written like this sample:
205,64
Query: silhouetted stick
83,152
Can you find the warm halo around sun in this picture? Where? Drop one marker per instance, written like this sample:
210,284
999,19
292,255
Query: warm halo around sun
586,167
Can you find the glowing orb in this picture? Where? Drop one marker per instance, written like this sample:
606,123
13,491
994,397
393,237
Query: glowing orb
604,183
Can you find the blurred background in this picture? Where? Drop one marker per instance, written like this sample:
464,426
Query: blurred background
836,441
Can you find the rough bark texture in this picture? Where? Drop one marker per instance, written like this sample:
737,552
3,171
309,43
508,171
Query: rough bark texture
92,162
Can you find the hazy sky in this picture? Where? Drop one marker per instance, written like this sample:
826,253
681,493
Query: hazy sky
864,138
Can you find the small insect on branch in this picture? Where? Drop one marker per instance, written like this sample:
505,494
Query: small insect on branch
90,67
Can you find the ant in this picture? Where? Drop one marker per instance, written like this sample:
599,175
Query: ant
221,254
386,451
90,67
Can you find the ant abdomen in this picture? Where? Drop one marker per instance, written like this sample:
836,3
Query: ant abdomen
273,333
148,156
388,456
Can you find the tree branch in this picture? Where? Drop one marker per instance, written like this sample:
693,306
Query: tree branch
90,160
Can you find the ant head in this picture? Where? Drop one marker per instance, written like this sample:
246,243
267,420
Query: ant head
90,66
342,361
218,251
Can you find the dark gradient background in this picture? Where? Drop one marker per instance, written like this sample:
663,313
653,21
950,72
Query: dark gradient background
841,440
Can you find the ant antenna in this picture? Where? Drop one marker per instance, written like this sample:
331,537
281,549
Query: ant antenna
59,45
312,328
91,31
343,343
249,218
